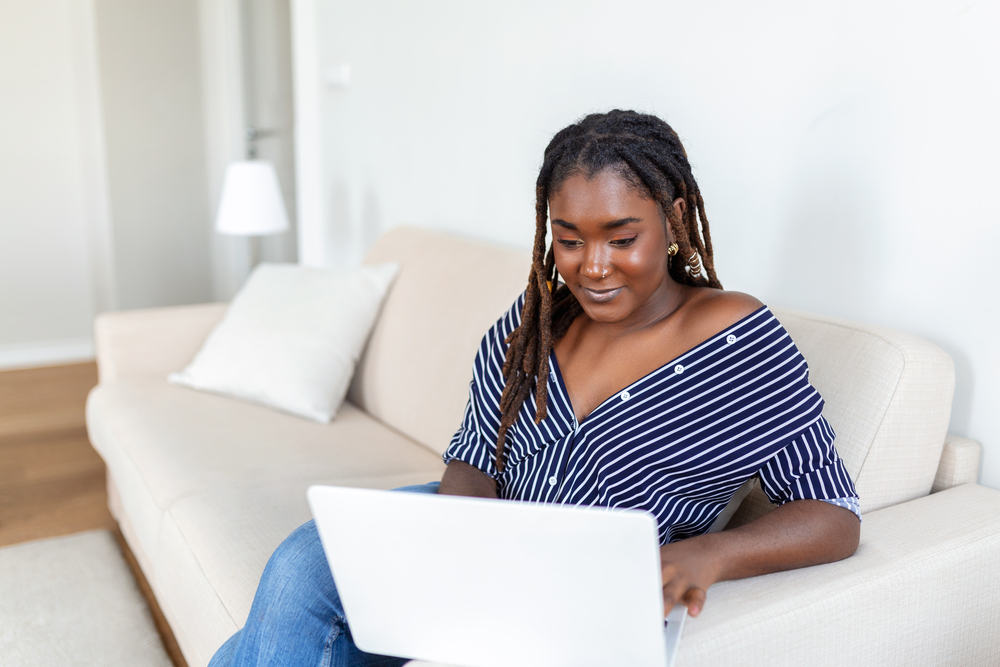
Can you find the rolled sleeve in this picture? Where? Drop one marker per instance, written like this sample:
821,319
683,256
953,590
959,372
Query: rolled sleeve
810,468
468,444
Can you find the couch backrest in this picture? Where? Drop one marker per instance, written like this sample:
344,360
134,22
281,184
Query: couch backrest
888,394
414,374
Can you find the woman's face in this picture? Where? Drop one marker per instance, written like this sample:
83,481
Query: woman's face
610,244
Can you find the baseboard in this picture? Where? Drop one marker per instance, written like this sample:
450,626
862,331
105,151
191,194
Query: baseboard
46,353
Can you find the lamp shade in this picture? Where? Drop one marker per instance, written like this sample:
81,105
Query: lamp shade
251,202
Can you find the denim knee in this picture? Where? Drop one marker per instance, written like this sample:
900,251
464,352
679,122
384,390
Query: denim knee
297,576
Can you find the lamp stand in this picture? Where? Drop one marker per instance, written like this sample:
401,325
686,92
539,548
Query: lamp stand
254,251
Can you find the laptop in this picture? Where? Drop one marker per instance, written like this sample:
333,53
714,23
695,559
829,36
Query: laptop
475,582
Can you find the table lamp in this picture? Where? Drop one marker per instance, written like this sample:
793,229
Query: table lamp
251,204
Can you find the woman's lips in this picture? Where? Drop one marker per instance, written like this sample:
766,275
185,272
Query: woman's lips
602,295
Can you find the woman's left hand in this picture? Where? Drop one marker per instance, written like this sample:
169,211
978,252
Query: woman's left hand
688,570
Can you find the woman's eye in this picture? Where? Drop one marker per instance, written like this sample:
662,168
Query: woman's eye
623,243
570,243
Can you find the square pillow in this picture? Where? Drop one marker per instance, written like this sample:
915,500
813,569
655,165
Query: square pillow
291,338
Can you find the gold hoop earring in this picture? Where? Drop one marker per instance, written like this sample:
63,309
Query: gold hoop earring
672,249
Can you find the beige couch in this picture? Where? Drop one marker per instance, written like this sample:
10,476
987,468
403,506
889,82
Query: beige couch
206,487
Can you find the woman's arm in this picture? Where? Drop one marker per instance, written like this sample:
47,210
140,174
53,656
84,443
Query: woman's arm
462,479
796,534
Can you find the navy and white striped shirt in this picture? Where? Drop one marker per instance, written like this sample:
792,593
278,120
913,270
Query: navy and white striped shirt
677,443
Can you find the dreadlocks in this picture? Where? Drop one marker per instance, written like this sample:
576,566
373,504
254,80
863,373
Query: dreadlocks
646,152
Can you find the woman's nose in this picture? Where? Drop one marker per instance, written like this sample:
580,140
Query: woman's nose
596,265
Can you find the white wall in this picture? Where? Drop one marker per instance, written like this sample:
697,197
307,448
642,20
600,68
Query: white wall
150,77
103,200
846,150
53,204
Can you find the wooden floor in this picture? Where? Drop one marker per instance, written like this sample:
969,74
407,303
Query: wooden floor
52,482
51,479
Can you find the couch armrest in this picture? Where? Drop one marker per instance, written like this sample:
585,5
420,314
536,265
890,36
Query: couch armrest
923,588
959,463
155,341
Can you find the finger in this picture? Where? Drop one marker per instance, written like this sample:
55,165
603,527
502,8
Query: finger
694,599
672,592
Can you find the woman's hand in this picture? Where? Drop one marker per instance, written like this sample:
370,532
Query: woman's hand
688,569
796,534
462,479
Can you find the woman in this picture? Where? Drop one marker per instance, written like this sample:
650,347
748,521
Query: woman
636,382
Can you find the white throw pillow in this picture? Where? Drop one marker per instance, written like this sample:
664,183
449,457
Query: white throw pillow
291,338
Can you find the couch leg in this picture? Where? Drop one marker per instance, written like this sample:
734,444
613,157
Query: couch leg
162,627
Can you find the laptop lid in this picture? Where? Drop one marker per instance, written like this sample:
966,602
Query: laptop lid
489,583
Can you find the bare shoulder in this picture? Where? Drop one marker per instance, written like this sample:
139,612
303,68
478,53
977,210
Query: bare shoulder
710,311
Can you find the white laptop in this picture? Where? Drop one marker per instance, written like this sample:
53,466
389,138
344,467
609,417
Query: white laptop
490,583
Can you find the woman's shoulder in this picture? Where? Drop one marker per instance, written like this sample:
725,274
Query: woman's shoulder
711,311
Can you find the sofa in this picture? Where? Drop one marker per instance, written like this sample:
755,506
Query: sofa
205,487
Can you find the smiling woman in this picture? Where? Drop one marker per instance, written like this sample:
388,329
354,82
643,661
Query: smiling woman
651,387
636,382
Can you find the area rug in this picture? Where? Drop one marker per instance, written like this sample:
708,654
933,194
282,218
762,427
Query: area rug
72,601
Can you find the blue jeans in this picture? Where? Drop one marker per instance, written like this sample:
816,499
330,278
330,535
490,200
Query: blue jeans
296,617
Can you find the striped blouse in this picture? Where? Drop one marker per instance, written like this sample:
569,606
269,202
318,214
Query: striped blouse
677,443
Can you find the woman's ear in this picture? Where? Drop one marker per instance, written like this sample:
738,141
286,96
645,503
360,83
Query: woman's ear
679,207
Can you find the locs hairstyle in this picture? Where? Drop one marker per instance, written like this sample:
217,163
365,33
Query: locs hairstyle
646,152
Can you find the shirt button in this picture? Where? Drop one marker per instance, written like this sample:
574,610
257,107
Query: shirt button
553,481
625,395
678,369
730,339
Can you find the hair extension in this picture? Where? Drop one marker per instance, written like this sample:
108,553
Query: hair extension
646,152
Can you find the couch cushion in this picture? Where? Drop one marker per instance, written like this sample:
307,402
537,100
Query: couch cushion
182,442
416,370
188,598
291,338
209,486
213,548
232,532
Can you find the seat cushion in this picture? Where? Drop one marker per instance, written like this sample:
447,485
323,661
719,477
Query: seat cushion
232,532
183,442
214,546
210,485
